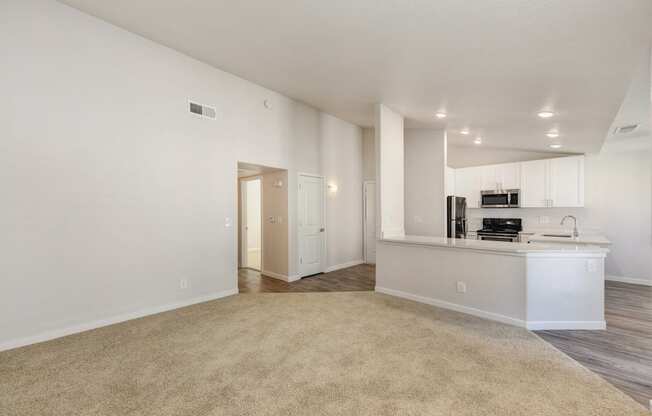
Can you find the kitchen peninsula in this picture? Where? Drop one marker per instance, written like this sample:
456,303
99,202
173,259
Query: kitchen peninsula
536,286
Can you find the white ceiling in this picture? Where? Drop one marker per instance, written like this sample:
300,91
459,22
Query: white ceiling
491,64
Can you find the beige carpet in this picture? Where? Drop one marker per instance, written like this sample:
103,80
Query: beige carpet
303,354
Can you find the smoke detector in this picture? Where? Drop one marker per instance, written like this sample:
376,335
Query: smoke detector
625,129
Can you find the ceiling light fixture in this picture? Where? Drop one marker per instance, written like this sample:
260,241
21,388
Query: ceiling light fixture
552,134
440,115
555,146
478,140
545,114
465,132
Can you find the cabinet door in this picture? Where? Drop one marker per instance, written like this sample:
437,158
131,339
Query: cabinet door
489,179
567,182
467,184
508,175
534,184
450,181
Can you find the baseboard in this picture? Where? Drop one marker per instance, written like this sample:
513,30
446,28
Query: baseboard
557,325
75,329
453,306
343,265
631,280
280,276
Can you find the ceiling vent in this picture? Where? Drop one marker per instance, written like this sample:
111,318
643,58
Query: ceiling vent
625,129
201,110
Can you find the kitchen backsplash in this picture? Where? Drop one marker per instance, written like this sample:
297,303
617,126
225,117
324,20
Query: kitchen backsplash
533,219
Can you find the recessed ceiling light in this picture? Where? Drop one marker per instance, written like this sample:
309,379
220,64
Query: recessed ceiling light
552,134
478,140
545,114
555,145
440,114
465,132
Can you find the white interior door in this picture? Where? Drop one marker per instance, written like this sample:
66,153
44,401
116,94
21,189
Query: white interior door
251,231
311,225
370,222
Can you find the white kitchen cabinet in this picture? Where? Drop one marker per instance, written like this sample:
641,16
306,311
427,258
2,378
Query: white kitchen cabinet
552,183
534,184
566,182
467,184
449,181
508,175
489,181
500,177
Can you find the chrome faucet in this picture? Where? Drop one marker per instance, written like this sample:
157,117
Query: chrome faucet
575,232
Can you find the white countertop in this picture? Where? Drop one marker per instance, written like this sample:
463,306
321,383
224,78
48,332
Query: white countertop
540,237
497,246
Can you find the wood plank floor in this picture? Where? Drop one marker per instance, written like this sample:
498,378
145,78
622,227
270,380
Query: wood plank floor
622,354
357,278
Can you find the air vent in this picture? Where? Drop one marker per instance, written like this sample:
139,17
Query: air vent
625,129
201,110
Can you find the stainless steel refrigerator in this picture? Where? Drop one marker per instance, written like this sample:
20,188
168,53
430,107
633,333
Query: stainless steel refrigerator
456,217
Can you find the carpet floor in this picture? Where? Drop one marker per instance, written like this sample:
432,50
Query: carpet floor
357,353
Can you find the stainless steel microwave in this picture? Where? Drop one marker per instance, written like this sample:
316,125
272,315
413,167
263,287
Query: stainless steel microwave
510,198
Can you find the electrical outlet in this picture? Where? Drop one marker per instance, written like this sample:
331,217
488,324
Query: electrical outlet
418,219
227,222
461,287
183,283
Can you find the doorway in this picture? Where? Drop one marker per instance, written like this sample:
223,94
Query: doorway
251,223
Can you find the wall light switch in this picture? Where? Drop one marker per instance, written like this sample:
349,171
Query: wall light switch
461,287
227,222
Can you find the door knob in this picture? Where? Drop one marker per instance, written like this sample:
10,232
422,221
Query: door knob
321,230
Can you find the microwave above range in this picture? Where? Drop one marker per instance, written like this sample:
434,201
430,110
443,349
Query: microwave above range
509,198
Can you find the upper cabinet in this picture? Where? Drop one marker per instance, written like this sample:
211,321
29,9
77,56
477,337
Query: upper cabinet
468,183
552,183
566,183
546,183
500,177
534,184
449,181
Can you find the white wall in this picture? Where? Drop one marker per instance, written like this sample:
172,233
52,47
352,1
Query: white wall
618,199
342,168
369,154
389,172
425,165
112,191
275,223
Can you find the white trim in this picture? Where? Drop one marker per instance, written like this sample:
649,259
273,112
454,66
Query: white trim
631,280
530,325
74,329
343,265
280,276
554,325
453,306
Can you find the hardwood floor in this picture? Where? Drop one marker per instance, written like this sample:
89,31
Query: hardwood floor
356,278
622,354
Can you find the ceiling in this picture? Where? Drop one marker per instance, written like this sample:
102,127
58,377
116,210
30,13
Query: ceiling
490,64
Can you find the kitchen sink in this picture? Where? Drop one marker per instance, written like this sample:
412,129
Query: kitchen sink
557,235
